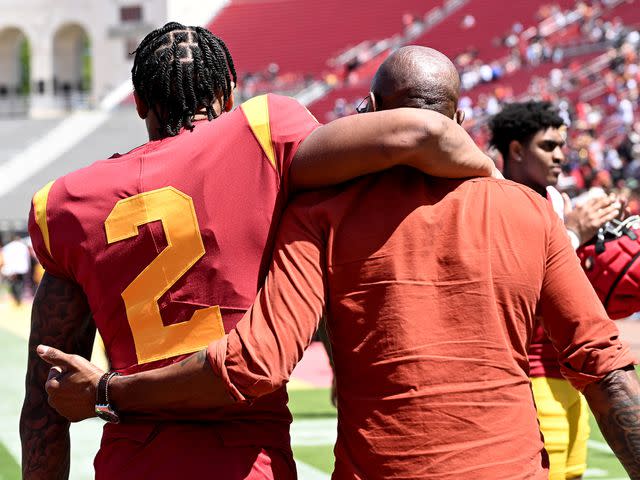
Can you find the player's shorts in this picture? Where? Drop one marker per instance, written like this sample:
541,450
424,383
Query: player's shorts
172,451
563,414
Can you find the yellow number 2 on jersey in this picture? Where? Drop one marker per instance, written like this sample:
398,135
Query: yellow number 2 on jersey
153,340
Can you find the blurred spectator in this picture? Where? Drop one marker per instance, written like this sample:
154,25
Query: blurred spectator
469,21
15,268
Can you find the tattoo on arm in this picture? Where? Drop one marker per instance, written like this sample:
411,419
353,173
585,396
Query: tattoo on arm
61,318
615,402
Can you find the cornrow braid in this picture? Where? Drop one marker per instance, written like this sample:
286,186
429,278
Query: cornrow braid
178,71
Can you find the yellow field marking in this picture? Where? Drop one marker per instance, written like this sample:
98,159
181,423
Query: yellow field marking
295,384
17,321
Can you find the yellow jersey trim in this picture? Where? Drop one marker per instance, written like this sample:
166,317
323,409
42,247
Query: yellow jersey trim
257,112
40,212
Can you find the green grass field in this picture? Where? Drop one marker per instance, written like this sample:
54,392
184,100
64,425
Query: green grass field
313,404
9,469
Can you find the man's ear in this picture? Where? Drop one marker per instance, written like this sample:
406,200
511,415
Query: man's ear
459,116
141,107
515,151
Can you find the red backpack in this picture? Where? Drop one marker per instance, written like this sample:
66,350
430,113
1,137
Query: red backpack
611,263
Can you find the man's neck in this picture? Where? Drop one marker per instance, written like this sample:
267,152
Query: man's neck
156,133
514,176
541,190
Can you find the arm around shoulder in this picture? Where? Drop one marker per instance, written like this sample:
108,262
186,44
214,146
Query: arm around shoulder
263,349
371,142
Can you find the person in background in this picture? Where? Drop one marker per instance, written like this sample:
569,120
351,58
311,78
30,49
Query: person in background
530,138
15,268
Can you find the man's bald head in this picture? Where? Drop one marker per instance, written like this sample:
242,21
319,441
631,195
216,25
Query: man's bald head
417,77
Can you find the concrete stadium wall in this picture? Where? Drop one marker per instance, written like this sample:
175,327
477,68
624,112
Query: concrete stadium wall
57,33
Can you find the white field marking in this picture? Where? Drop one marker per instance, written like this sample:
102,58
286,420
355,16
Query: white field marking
116,96
601,474
59,140
307,472
596,473
600,446
602,477
314,432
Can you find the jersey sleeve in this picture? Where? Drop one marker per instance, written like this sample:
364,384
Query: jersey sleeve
40,231
587,341
280,124
258,356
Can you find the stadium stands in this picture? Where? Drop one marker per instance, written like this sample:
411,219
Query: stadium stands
301,35
561,49
451,38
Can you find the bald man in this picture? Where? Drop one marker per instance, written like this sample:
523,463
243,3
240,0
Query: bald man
417,77
430,288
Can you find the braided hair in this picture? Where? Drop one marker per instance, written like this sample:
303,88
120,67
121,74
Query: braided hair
180,70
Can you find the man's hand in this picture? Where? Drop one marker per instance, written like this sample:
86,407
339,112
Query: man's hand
586,219
72,383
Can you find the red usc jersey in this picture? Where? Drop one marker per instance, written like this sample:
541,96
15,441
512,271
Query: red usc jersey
171,241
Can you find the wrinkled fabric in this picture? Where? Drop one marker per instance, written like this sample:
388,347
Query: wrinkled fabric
430,288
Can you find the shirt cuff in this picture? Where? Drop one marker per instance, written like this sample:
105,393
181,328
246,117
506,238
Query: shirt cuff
575,239
598,365
217,355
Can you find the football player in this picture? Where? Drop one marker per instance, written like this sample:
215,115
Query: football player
530,138
164,248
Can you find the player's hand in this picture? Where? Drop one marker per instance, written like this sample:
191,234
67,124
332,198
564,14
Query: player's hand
586,219
72,383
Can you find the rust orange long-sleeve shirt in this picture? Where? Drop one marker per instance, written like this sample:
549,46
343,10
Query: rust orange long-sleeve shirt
430,288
